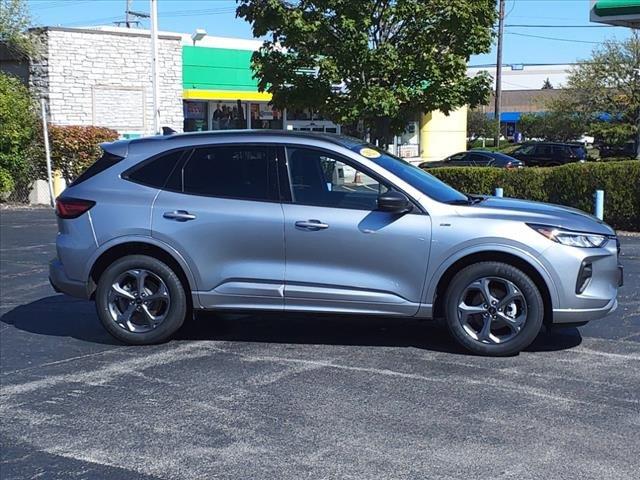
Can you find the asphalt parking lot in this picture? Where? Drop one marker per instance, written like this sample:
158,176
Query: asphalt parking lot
273,397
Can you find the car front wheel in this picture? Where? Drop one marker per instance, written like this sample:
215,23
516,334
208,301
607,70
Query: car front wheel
140,300
493,308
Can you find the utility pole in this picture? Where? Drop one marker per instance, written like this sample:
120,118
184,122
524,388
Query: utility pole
498,105
154,66
127,20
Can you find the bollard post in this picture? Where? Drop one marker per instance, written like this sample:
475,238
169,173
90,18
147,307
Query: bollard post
599,210
499,192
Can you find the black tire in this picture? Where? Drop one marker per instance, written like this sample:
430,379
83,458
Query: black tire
534,308
174,314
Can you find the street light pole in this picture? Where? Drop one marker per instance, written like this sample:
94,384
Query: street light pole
498,104
154,66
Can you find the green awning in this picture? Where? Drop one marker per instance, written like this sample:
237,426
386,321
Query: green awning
610,8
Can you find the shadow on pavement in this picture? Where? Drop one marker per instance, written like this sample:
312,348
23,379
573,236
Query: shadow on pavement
63,316
60,316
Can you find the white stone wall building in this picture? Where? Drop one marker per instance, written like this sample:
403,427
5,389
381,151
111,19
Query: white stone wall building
102,77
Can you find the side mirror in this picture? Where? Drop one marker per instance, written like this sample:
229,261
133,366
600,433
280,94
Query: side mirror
394,202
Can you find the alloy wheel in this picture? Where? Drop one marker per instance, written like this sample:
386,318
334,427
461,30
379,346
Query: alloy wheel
492,310
138,301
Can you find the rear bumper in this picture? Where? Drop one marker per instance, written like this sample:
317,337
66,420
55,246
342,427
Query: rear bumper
62,284
583,315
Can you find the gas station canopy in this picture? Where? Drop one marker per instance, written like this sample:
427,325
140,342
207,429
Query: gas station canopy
625,13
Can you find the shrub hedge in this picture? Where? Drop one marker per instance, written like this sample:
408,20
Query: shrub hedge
572,185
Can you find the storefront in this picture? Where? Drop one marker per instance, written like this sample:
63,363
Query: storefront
220,93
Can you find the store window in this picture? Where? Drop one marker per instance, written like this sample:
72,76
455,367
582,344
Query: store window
263,116
195,116
228,115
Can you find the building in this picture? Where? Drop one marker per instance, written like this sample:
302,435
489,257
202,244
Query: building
522,90
102,76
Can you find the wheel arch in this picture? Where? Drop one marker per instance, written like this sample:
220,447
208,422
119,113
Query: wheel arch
537,274
139,246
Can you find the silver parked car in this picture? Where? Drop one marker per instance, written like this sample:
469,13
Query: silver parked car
284,221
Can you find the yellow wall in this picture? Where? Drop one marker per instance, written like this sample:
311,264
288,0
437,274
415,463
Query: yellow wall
443,135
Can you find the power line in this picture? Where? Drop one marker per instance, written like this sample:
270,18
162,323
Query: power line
559,26
571,40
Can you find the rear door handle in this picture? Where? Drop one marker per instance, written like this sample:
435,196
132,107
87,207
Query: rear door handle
312,225
179,215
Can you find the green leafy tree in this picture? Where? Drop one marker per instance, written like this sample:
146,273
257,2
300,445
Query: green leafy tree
547,85
480,125
14,22
18,127
609,82
378,61
557,124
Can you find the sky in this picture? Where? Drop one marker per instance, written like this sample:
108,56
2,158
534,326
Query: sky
570,37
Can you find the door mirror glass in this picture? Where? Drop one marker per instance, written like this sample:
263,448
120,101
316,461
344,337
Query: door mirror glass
393,201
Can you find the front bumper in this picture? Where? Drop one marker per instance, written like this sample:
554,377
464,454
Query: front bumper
62,284
570,315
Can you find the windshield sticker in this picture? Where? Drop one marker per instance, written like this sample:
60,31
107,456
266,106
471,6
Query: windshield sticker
369,152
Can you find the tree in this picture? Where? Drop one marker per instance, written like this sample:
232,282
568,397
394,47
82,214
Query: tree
480,125
554,126
379,61
608,84
547,85
76,147
14,22
18,121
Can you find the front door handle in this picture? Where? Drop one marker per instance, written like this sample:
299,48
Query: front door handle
312,225
179,215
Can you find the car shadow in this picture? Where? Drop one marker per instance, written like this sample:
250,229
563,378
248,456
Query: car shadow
59,315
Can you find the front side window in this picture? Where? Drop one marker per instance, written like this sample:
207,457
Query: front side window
244,172
458,157
318,178
525,150
413,175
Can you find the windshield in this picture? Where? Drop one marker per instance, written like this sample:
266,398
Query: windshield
414,176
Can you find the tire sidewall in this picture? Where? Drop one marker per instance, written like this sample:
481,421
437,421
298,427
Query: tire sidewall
177,308
535,307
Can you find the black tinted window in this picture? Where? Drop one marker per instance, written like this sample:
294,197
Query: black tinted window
479,158
543,150
237,172
107,160
155,172
322,179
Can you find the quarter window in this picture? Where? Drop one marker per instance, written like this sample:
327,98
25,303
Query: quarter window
245,172
318,178
155,173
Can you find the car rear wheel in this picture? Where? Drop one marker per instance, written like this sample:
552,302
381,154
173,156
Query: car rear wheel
493,308
140,300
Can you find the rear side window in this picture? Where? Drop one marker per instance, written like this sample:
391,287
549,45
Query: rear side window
105,161
155,172
544,150
244,172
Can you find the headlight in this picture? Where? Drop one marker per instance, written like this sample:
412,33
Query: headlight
572,239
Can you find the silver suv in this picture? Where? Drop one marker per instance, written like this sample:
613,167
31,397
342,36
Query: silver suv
286,221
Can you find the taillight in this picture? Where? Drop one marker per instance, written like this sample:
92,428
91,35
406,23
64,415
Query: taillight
68,208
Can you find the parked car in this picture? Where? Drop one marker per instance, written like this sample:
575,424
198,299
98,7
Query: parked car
626,150
550,154
476,158
302,222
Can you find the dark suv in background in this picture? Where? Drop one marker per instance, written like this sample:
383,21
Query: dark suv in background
549,154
